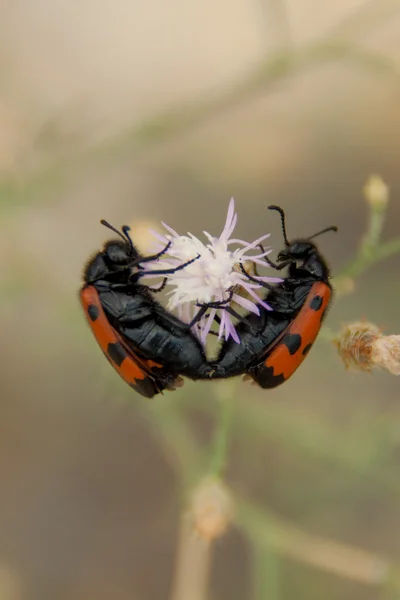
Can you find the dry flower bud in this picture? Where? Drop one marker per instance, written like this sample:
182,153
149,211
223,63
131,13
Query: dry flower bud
211,509
376,192
362,346
386,353
354,345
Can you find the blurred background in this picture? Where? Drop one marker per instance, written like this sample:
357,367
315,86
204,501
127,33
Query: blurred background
140,112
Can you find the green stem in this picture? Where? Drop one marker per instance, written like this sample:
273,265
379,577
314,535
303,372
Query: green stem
261,525
266,572
362,262
225,395
371,250
377,217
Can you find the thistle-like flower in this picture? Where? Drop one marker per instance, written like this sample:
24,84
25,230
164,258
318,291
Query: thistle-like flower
215,278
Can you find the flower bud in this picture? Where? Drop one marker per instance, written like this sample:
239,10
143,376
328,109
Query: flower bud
376,192
362,346
386,353
211,509
354,345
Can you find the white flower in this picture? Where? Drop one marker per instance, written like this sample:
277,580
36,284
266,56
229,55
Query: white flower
215,277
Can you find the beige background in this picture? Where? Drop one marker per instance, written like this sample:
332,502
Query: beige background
114,110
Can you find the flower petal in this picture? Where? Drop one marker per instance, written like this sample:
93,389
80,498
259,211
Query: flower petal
247,304
168,228
230,223
159,236
252,244
230,331
260,301
206,328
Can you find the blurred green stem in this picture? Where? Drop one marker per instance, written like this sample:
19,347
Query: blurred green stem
266,572
376,221
267,530
363,261
348,562
138,138
225,395
371,250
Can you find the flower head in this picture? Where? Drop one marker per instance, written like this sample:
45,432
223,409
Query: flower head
215,278
355,343
362,346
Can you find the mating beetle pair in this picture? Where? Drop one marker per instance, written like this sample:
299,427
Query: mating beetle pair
151,349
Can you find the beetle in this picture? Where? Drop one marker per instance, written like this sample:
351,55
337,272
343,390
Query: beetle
148,347
274,344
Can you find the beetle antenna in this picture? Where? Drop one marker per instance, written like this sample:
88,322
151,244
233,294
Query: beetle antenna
114,229
283,221
125,232
331,228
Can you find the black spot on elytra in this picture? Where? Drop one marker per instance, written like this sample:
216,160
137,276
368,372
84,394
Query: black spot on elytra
264,376
116,353
316,303
93,312
145,388
292,342
307,349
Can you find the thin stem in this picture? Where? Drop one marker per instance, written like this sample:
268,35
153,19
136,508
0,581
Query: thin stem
262,526
371,250
343,560
361,262
266,572
225,393
194,551
166,423
358,455
192,564
376,221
